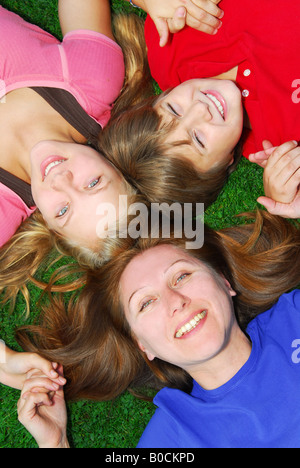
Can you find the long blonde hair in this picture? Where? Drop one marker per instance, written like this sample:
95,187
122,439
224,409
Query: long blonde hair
34,246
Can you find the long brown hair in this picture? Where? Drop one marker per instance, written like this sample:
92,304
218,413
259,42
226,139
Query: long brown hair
93,340
134,140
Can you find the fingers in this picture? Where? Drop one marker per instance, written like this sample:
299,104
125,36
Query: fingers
208,6
282,173
267,145
48,371
46,367
260,158
163,30
27,407
178,21
39,385
282,150
280,209
204,15
207,26
36,382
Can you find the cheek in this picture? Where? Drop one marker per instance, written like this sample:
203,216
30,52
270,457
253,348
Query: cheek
150,328
45,202
37,195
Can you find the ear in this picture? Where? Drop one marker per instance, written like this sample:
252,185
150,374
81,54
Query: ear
229,287
231,161
149,355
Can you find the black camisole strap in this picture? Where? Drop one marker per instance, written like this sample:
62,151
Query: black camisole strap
21,188
68,107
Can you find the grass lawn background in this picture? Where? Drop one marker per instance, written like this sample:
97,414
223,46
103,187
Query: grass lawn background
119,423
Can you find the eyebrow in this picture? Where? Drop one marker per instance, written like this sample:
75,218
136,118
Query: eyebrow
190,142
168,268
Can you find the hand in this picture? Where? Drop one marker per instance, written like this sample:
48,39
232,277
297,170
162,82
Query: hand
282,181
173,15
13,371
44,413
282,173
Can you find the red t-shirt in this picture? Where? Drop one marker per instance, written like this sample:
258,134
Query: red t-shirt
262,38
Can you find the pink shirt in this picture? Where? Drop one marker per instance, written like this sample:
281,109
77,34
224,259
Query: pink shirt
87,64
13,211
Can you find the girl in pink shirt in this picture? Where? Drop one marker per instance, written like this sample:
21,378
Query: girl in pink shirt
87,66
54,98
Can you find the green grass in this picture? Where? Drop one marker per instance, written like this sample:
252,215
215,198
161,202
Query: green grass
119,423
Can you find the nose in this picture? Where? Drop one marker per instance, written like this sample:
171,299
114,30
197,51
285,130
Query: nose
61,180
196,114
202,110
177,301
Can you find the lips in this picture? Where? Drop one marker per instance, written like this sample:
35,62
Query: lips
49,163
218,101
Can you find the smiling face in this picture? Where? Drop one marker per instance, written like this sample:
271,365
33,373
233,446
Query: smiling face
177,308
208,116
69,182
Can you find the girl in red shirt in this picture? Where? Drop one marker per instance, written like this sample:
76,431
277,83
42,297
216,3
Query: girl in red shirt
254,98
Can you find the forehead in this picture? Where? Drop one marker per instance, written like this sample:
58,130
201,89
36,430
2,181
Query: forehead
151,265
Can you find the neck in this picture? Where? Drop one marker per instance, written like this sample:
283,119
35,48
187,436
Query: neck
229,75
223,367
26,119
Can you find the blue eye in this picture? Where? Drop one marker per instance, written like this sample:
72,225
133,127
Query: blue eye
181,277
94,183
146,304
63,211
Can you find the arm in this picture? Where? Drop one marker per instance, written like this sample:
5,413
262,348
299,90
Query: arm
93,15
173,15
14,367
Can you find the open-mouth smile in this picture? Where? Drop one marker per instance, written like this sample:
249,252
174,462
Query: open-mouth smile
189,326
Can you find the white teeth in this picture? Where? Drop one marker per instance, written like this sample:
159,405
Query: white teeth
51,165
217,103
190,325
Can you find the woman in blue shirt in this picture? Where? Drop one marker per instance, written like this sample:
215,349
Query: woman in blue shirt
184,312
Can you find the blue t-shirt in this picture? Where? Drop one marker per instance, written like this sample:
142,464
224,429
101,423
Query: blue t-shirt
259,407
